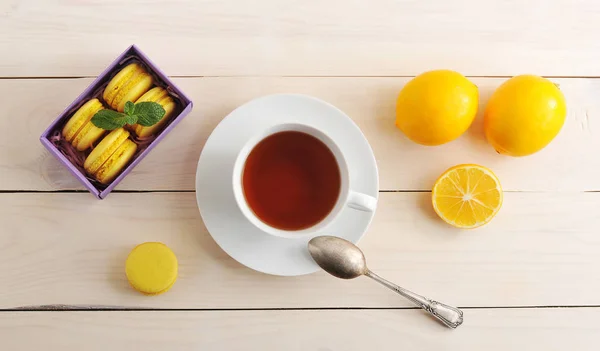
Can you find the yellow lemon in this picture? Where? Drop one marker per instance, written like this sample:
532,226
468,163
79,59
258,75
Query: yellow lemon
436,107
467,196
523,115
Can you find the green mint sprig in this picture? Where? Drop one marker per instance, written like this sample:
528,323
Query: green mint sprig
145,113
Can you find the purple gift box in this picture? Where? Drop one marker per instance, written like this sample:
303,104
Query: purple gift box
73,160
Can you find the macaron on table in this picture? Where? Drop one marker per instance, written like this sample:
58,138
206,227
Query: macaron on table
137,237
151,268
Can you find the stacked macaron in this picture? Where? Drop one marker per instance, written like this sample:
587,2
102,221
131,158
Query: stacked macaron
79,130
106,160
162,97
133,84
110,156
128,85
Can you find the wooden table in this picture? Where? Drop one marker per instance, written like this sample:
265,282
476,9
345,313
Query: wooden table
527,281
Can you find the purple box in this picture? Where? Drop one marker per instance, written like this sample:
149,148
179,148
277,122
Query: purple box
51,136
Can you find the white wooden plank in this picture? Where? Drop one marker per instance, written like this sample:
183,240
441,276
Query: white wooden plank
543,249
494,330
567,164
274,37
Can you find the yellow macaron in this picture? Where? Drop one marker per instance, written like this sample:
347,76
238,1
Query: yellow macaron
116,162
79,130
162,97
110,156
127,85
151,268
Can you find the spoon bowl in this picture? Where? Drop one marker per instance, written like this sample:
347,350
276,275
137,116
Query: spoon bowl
338,257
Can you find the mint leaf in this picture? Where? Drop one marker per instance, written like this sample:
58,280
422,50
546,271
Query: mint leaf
145,113
129,108
109,119
148,113
131,119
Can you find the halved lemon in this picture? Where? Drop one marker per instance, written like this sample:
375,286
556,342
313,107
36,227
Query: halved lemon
467,196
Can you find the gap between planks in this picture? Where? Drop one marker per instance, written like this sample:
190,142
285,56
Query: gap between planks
96,308
167,191
289,76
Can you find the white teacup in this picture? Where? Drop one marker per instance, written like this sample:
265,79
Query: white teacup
347,197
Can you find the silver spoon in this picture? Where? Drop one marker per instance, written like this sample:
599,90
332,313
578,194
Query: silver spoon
345,260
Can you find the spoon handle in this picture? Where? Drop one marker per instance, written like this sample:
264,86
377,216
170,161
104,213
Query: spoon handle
450,316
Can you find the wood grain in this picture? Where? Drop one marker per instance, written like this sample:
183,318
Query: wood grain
68,249
568,164
542,249
494,330
291,37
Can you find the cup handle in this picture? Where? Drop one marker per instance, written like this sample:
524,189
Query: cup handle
361,202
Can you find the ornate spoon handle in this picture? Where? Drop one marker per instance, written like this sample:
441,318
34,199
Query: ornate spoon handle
450,316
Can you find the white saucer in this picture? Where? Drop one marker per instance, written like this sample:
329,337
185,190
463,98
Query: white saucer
230,229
